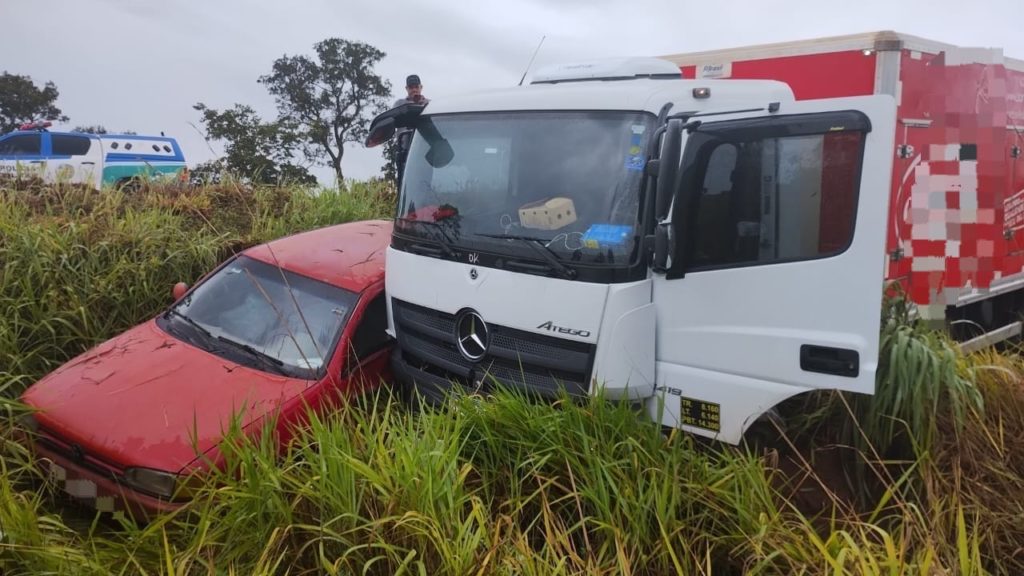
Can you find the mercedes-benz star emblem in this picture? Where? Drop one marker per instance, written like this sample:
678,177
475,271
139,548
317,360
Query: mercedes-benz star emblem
472,335
473,273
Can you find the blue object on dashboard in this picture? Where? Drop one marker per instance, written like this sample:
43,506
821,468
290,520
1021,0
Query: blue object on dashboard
606,235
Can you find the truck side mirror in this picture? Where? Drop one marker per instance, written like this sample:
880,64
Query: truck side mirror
668,167
440,154
380,132
383,127
660,260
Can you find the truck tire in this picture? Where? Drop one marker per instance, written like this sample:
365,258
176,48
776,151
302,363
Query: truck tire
129,185
766,433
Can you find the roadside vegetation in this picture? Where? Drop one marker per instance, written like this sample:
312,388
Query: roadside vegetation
927,477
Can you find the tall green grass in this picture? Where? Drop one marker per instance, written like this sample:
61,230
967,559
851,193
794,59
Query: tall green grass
504,486
77,266
927,477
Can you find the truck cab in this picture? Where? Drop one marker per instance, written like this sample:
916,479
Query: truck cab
96,160
708,248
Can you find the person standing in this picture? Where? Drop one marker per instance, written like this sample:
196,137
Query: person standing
413,92
413,95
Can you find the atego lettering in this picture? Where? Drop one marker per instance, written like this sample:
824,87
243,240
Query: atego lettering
551,327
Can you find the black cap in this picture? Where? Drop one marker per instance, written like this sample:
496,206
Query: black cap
412,80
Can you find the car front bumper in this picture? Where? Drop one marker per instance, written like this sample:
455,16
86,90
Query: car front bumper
99,491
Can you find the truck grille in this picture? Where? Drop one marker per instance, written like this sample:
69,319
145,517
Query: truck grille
530,362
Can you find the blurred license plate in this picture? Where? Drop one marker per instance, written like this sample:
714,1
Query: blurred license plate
80,488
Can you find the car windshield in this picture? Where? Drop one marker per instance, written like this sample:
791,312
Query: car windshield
569,181
279,320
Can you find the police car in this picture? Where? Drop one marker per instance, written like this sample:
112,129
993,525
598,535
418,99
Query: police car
98,160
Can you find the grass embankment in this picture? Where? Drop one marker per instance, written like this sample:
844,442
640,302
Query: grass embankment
925,478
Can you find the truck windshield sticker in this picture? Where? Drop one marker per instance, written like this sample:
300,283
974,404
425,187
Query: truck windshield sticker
635,159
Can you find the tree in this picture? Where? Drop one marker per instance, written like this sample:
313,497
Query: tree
22,101
260,151
329,100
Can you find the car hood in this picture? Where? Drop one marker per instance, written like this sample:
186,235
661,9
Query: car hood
145,398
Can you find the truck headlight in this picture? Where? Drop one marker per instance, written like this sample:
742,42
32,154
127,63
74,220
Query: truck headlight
156,482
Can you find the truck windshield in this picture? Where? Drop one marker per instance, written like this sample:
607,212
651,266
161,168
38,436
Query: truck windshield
567,181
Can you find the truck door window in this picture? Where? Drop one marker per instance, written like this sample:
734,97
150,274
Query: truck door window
21,145
758,200
67,145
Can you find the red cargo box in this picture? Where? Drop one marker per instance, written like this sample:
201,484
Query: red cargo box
956,237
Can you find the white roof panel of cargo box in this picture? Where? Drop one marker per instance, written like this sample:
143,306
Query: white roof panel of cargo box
633,95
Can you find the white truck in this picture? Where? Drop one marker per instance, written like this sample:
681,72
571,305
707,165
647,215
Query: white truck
707,247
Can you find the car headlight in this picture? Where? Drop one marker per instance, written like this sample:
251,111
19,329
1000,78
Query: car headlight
164,484
28,423
156,482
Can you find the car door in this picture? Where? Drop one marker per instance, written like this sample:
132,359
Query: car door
21,155
74,158
778,230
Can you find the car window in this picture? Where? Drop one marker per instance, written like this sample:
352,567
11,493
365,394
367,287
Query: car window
21,145
68,145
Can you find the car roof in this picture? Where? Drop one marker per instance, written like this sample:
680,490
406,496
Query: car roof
348,255
144,137
108,136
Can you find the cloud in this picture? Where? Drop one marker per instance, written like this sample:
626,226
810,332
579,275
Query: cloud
142,65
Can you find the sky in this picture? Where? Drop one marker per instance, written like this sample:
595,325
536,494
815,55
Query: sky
141,65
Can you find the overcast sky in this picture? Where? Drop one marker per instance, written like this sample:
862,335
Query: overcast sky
141,65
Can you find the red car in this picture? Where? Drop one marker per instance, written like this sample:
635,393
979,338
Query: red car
298,321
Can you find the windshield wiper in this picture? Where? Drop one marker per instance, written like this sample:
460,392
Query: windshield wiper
444,240
267,359
199,327
540,245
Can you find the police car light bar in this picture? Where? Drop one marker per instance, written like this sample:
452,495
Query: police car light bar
36,125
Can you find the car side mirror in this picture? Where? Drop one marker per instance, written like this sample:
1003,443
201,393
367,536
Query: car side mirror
179,290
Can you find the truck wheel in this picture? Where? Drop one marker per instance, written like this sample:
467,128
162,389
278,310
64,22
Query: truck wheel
768,432
129,185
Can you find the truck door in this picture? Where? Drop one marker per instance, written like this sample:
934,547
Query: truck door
21,155
777,255
74,158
